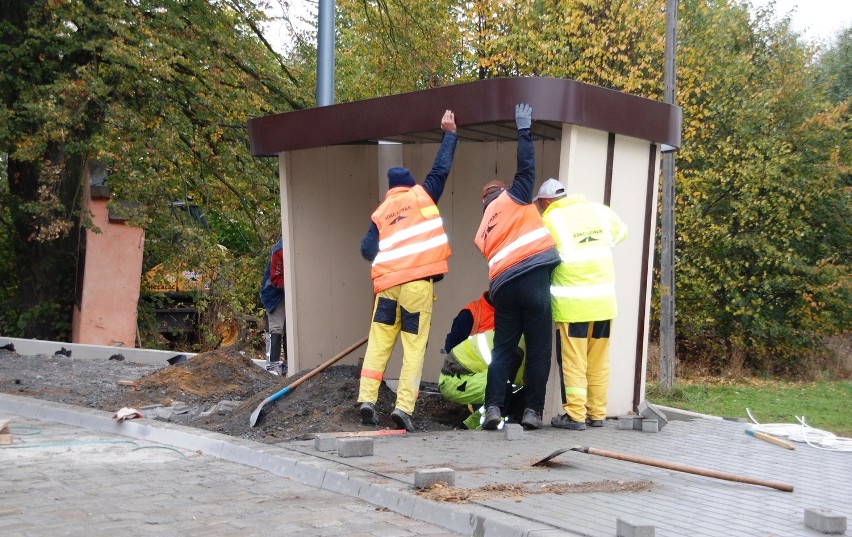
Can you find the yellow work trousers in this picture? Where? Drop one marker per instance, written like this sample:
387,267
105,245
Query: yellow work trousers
405,312
585,371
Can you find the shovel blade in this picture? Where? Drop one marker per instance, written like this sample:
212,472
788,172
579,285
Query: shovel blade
551,456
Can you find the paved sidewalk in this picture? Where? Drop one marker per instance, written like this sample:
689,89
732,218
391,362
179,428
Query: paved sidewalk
673,502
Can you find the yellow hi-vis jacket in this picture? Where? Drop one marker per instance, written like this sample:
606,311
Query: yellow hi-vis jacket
474,354
582,287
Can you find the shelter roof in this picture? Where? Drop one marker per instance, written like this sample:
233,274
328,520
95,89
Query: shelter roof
484,110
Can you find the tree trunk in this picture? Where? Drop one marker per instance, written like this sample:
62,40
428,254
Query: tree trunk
46,258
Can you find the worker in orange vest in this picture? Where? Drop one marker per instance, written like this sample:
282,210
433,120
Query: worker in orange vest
467,355
408,248
521,254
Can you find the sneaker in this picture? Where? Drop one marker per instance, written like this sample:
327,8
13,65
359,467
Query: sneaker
276,368
531,419
402,420
492,418
594,423
369,416
565,422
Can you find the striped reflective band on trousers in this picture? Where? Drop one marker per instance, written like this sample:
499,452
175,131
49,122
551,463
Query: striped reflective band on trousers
387,252
521,241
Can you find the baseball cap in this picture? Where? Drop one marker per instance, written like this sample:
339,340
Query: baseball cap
550,189
492,186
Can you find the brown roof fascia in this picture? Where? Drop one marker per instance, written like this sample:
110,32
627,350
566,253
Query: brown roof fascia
484,110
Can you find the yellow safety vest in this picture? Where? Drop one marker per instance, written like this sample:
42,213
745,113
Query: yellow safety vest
582,287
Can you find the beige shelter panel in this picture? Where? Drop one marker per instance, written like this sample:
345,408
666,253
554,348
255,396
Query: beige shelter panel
630,192
584,158
324,211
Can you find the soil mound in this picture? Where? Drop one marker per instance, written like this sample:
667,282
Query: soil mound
324,403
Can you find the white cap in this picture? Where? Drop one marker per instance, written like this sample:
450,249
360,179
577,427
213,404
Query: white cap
550,189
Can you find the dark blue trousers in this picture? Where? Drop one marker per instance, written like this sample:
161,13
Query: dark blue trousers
522,306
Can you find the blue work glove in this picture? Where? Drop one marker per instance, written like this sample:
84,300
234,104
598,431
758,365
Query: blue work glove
523,115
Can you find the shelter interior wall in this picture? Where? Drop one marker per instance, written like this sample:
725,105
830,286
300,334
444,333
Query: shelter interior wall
331,191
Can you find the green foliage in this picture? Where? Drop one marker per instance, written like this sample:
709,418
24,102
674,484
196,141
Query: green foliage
835,66
762,212
159,92
823,404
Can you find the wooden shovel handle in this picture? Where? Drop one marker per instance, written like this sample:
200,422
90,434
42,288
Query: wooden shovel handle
329,362
688,469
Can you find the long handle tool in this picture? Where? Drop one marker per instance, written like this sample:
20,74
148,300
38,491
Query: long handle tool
284,391
670,466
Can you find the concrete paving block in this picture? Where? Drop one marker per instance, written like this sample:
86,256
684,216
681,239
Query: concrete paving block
649,411
354,447
650,426
625,423
825,521
325,442
430,476
637,423
624,528
513,431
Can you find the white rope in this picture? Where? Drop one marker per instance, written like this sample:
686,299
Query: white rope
802,432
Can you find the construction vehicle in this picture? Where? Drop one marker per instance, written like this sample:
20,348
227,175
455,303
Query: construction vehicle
174,294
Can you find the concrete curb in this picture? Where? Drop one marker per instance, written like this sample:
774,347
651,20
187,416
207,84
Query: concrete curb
32,347
469,519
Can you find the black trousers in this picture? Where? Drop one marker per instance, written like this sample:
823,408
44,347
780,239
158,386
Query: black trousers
522,306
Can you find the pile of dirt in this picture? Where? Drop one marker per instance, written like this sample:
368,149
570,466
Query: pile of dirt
324,403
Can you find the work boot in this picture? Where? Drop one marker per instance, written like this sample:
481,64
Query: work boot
565,422
594,423
402,420
531,419
276,368
492,418
369,416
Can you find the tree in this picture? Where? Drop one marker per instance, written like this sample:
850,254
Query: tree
159,91
835,67
762,228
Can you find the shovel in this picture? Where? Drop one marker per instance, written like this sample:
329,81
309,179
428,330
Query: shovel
669,466
284,391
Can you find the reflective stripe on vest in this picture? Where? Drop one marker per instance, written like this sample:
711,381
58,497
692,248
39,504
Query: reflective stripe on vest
584,291
484,347
412,241
523,240
510,233
583,285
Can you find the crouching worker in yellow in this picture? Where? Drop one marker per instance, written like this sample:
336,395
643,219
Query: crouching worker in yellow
465,371
408,247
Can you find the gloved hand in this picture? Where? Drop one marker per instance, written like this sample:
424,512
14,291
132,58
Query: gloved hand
523,115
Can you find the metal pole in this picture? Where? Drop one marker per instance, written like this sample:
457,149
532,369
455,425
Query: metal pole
667,246
325,53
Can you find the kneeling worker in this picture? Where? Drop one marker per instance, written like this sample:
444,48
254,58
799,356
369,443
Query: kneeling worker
465,371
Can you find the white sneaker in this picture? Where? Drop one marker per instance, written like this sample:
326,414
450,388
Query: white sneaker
276,368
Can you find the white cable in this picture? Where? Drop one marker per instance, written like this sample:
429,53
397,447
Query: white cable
802,432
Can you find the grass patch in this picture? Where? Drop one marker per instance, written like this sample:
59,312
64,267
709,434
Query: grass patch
824,405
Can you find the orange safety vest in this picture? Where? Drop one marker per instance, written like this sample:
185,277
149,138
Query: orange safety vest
412,241
483,315
510,233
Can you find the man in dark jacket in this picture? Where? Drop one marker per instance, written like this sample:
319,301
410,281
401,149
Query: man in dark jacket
272,298
521,255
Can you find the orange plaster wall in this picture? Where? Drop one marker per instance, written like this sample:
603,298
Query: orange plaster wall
111,280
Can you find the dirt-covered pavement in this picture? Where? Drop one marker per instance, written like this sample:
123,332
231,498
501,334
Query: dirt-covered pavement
216,390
